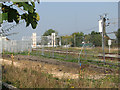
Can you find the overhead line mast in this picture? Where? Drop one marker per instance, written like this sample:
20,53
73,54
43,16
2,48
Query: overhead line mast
102,29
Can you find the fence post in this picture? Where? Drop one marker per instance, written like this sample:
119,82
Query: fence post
53,51
42,47
3,56
12,57
66,50
80,70
28,52
53,45
85,53
93,48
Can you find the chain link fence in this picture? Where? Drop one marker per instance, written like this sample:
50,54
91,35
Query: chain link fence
15,46
85,53
53,48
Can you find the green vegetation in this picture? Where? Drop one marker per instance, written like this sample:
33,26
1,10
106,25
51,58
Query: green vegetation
77,39
94,38
66,40
10,14
49,32
89,59
32,78
29,77
118,38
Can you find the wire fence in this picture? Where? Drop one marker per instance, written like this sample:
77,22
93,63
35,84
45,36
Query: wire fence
16,46
81,54
50,48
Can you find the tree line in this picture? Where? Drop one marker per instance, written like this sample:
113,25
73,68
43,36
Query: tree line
76,39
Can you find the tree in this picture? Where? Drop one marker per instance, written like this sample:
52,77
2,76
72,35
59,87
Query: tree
30,15
96,38
87,38
117,34
77,38
66,40
49,32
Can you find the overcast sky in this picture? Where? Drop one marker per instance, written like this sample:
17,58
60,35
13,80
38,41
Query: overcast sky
69,17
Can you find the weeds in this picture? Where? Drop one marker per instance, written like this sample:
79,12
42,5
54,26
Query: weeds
31,78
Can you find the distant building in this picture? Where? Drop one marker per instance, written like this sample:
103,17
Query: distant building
43,41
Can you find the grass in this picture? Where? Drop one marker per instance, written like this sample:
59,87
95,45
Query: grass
29,77
70,58
88,50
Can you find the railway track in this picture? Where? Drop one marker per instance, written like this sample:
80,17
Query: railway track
92,65
111,56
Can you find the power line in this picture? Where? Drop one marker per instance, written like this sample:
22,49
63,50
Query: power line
4,32
8,29
91,28
111,32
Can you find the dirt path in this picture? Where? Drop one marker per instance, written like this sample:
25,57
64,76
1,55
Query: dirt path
62,63
57,70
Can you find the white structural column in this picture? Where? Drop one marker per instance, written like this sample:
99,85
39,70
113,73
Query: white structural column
60,41
53,39
34,40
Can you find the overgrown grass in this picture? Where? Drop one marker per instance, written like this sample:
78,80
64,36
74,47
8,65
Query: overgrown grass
88,50
74,58
34,78
70,58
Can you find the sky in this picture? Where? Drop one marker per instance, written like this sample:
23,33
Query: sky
119,15
69,17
